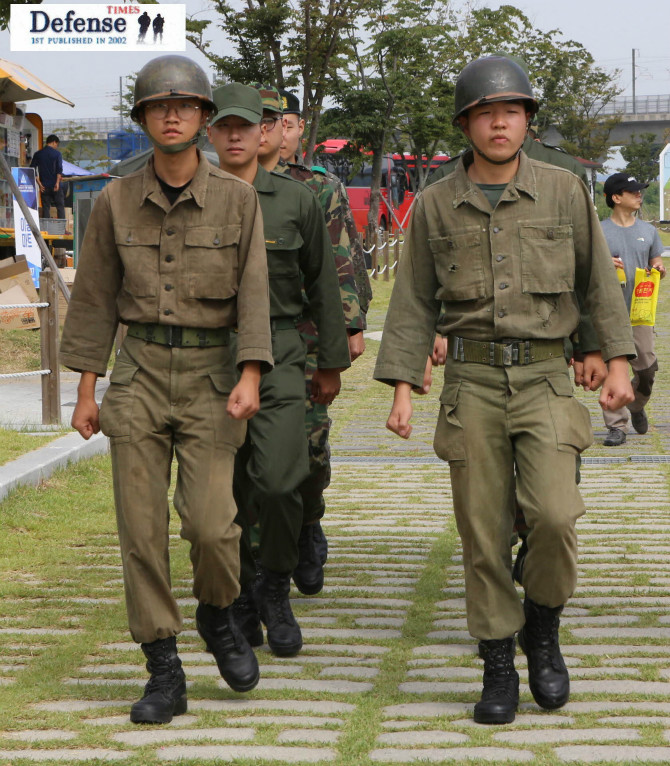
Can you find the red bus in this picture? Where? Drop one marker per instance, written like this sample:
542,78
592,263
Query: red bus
398,184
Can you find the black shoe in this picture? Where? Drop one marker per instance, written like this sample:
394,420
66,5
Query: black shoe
271,597
247,618
235,658
320,542
615,437
308,574
547,675
639,421
500,696
165,692
517,571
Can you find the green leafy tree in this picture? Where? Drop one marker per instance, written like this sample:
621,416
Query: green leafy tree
80,145
5,8
641,156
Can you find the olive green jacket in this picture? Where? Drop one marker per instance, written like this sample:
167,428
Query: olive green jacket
522,270
299,253
198,263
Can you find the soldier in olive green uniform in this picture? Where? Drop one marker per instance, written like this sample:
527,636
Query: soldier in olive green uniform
513,250
176,252
274,460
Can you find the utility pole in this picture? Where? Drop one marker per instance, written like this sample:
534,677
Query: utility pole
634,109
121,98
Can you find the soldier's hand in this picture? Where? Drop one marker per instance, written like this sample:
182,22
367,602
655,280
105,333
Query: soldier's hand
325,386
401,412
244,400
86,417
439,355
594,371
617,390
356,345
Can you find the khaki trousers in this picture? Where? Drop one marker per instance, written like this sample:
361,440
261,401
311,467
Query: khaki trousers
163,402
495,422
644,368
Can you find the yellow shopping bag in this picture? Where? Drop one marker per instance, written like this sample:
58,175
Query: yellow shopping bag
645,297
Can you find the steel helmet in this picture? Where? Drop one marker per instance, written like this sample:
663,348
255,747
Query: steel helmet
169,77
489,79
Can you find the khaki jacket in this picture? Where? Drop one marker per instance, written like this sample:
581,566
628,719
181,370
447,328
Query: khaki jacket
523,270
198,263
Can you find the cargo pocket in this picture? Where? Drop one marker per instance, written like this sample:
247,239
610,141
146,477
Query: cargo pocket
116,410
571,419
449,440
228,432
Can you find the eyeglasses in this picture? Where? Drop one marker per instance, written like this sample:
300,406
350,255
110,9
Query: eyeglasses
270,122
160,109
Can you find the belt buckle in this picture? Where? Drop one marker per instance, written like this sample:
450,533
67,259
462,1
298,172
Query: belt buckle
174,335
510,354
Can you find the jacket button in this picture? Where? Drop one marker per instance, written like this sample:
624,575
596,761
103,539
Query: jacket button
501,314
169,258
496,229
168,287
503,285
170,232
167,312
500,258
550,234
217,241
129,238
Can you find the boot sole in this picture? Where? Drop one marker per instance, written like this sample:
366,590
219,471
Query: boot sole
246,687
308,589
495,719
284,651
145,716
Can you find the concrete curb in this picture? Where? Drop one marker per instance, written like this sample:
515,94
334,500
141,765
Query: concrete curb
41,463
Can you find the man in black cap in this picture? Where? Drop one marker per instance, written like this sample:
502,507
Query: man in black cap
634,244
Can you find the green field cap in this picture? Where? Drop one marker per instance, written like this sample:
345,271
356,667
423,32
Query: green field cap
239,100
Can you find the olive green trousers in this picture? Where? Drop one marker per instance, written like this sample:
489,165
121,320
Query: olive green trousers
496,422
163,402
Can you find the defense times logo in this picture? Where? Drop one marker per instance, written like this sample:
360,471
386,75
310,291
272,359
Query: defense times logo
127,27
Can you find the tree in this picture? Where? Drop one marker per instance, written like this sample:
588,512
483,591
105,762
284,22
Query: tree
81,147
641,157
5,11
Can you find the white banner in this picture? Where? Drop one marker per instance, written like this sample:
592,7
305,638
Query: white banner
25,243
159,28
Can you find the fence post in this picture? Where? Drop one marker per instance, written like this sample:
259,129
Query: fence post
396,254
387,261
49,348
374,236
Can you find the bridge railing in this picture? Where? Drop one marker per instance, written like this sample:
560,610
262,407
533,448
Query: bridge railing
642,105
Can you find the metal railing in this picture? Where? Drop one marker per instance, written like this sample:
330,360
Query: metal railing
642,105
50,372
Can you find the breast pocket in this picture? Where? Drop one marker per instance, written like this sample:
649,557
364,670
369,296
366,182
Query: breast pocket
282,247
547,259
139,248
458,263
211,255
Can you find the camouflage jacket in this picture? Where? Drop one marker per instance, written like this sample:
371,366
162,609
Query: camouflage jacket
331,201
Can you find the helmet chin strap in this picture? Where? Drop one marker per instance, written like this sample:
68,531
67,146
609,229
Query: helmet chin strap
500,162
171,148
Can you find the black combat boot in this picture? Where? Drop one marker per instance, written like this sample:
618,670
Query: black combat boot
500,696
517,571
271,597
320,542
308,575
547,675
247,617
165,692
235,658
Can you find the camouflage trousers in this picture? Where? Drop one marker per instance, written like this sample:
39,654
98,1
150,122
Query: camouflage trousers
317,429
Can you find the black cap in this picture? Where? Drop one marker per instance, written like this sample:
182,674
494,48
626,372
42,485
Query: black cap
291,102
620,182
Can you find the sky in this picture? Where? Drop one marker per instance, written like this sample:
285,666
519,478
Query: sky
609,29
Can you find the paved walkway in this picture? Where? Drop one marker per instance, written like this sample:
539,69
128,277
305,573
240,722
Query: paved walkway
388,673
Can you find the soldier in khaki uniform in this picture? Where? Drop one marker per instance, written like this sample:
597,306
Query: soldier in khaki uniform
513,249
274,460
176,253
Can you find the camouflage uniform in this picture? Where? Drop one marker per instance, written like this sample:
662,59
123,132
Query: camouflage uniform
355,293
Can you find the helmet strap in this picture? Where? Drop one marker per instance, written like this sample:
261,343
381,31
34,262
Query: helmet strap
501,162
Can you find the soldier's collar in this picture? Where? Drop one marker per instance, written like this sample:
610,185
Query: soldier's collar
197,188
524,181
263,182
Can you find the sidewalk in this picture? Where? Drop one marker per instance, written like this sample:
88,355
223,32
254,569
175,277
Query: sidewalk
388,673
